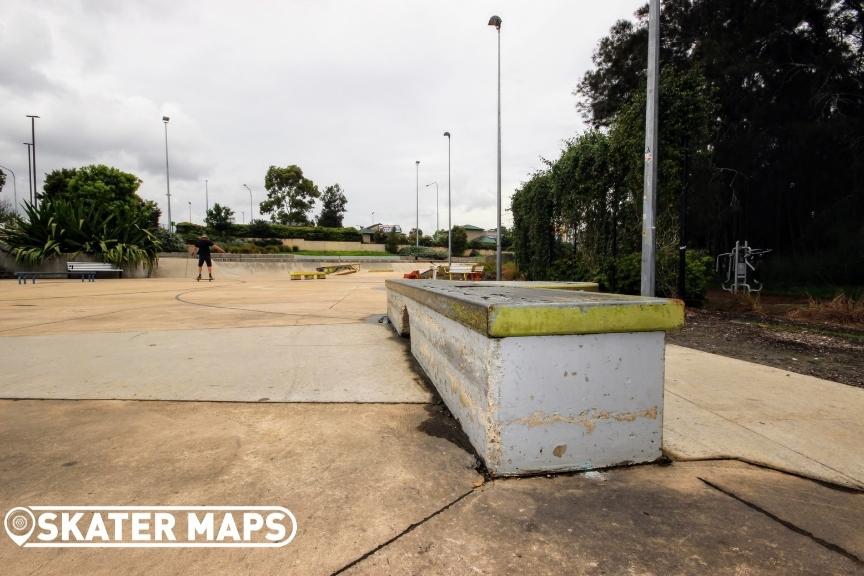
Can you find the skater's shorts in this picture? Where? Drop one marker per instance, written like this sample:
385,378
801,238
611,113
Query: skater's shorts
203,259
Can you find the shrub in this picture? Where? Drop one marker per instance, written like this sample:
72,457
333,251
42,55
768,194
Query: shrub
392,244
422,252
170,242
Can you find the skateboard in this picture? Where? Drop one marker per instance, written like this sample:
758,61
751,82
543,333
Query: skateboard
198,279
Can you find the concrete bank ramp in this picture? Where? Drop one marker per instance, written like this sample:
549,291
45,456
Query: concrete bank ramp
719,407
178,267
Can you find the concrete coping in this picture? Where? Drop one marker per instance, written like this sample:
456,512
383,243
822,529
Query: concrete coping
501,309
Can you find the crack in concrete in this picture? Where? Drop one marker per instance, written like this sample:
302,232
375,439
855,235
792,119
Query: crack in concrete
404,532
797,529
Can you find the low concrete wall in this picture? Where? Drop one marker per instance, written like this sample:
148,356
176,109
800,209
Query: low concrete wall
538,403
58,264
328,246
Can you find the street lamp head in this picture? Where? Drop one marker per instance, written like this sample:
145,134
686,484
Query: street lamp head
447,134
496,22
165,119
417,162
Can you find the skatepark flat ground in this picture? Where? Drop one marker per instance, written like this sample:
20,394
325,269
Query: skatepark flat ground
263,390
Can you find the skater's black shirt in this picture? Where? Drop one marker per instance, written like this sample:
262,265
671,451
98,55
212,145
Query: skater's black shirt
203,245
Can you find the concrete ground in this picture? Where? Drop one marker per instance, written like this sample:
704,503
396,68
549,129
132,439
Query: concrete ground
270,391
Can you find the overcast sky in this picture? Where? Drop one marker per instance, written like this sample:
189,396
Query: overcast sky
351,91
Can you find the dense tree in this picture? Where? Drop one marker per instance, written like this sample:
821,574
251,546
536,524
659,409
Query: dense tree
290,196
93,210
97,184
333,203
394,238
219,218
786,165
458,240
411,237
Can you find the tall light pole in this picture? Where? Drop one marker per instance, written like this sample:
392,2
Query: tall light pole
33,144
206,197
449,207
190,210
649,198
29,170
496,22
165,120
14,188
417,224
251,210
437,225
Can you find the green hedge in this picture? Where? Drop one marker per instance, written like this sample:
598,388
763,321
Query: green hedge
260,229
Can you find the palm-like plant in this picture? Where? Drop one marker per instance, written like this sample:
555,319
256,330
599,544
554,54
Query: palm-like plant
117,232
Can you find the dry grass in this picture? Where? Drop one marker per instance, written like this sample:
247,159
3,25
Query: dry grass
842,309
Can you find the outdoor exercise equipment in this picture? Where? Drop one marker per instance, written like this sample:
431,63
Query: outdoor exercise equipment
740,267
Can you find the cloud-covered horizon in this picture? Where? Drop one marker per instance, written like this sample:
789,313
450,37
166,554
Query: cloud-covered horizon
351,92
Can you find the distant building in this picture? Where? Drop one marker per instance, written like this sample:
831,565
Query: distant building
473,232
369,232
487,241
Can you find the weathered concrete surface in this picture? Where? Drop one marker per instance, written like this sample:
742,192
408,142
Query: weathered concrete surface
312,363
718,407
644,520
498,311
833,516
546,401
354,476
63,306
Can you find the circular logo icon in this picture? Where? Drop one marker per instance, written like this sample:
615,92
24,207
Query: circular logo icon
19,523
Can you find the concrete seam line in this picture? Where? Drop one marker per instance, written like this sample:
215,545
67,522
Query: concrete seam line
761,435
821,541
407,530
310,315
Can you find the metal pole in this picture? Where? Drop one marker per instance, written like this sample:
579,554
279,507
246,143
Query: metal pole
165,120
449,207
251,209
243,217
33,143
498,208
14,189
190,211
29,172
206,198
417,225
650,177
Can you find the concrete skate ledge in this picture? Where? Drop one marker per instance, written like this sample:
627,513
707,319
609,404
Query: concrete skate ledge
542,377
499,310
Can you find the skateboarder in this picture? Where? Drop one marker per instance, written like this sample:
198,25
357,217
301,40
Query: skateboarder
202,248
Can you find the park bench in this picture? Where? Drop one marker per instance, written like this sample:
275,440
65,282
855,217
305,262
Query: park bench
541,376
308,276
84,270
467,270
